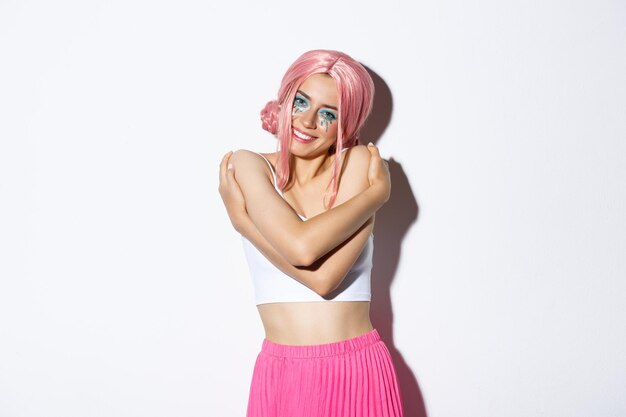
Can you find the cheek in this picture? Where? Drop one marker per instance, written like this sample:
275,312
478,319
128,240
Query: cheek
328,126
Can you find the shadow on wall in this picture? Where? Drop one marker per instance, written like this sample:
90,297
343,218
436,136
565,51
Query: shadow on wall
393,221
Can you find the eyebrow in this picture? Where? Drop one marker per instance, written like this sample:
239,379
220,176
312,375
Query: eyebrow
323,105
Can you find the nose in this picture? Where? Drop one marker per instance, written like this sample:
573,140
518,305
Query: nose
308,119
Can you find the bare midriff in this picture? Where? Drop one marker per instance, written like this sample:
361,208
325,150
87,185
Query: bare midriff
314,323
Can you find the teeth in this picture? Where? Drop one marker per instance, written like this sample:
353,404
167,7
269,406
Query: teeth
302,135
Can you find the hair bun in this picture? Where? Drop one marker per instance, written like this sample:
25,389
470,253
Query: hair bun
269,117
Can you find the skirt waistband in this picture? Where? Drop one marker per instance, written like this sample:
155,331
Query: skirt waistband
326,349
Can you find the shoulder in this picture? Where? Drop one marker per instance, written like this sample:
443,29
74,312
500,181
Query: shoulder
354,169
358,151
248,162
356,161
247,156
244,156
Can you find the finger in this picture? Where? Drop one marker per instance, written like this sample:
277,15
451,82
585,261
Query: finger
230,175
233,186
373,150
226,158
224,165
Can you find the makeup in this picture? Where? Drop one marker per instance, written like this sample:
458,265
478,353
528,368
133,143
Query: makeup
327,118
300,104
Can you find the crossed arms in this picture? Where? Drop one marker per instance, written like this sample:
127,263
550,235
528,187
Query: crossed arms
317,252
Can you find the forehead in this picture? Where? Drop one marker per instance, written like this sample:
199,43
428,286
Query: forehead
322,88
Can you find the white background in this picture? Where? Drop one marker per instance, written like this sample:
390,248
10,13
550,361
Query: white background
499,282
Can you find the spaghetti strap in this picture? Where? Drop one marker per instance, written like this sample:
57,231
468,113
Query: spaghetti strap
273,174
276,184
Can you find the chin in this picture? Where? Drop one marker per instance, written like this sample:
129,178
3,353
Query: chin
300,149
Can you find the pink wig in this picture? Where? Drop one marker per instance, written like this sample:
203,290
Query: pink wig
355,90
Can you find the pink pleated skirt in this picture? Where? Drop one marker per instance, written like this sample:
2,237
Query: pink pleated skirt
350,378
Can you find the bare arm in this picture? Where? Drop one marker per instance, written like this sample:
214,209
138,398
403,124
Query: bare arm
325,274
304,242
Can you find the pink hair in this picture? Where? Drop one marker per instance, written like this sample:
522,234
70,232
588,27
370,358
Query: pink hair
355,90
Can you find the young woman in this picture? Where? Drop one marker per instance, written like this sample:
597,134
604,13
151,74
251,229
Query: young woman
306,215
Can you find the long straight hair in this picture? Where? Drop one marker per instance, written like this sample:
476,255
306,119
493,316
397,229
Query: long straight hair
355,90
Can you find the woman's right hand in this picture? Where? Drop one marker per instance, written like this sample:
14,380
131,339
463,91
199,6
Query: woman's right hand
378,173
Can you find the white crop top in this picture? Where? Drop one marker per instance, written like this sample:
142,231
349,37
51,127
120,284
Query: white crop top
271,285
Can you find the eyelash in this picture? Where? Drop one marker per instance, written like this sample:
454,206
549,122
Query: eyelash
328,116
301,103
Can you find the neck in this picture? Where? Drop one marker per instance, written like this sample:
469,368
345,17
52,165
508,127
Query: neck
306,170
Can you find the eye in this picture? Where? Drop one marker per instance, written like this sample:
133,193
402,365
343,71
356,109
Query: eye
300,102
327,115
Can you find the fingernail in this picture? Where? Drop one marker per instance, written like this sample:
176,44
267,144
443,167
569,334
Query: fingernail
370,144
230,166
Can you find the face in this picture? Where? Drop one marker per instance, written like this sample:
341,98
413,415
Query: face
315,116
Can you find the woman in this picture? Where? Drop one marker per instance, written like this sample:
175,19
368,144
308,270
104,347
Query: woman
306,215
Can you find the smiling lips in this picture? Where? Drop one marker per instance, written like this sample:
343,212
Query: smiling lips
302,137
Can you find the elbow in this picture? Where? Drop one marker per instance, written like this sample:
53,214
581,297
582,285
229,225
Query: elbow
323,290
300,255
325,287
301,260
326,283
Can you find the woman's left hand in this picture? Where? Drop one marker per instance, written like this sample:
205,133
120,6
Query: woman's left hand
231,194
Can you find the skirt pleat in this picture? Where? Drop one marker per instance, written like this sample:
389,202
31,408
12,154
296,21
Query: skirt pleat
350,378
